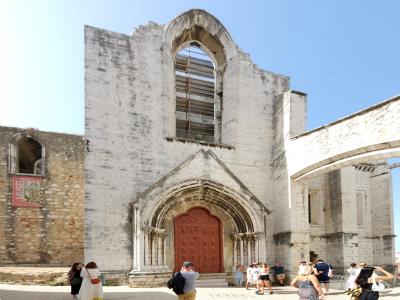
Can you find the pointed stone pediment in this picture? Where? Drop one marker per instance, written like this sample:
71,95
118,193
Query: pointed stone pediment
203,165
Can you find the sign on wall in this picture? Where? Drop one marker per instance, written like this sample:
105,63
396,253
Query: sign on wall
27,191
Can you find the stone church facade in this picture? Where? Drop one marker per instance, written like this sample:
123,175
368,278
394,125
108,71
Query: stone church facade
187,161
189,153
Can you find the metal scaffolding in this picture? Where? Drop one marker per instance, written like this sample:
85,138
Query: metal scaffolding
195,90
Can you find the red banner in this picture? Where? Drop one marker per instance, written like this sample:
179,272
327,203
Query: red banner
27,191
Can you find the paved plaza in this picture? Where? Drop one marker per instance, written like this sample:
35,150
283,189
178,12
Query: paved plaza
22,292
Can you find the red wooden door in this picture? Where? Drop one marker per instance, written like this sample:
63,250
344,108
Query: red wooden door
198,239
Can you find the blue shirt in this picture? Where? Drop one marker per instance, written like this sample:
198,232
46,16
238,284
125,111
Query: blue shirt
324,267
190,280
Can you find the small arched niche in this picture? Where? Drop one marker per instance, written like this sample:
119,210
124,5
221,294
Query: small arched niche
26,155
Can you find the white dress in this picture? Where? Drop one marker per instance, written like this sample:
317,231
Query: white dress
351,281
90,291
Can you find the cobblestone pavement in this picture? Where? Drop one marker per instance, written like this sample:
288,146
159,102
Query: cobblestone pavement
23,292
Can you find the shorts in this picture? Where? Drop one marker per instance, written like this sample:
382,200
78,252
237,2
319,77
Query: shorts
263,277
280,276
323,278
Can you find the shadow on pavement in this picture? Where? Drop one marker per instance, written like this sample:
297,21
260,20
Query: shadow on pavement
23,295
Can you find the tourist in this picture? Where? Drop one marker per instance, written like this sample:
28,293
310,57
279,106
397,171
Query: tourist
91,288
75,279
255,274
353,273
398,270
367,278
188,272
302,265
279,273
322,270
264,280
239,275
307,283
249,275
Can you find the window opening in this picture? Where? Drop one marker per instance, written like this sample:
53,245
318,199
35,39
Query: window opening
195,92
29,156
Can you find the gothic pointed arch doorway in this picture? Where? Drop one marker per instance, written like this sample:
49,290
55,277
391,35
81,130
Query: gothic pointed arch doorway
198,238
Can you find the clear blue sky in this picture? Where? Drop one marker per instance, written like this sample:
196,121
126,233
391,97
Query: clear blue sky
343,54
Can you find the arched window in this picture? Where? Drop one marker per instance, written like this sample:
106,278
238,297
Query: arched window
26,155
195,94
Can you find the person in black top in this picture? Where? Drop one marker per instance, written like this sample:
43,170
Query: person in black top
367,277
75,280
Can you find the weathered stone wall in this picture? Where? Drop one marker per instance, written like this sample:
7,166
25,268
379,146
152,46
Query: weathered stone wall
356,222
291,231
53,233
130,111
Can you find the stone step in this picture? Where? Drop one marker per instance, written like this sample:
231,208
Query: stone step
211,283
212,275
212,280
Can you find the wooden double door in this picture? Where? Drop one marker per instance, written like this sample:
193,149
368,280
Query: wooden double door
198,239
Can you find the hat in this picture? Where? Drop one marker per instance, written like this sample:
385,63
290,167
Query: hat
188,264
362,265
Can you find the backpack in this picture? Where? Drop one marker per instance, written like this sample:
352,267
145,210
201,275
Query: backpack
176,283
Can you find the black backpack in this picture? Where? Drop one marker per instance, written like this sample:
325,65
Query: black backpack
176,283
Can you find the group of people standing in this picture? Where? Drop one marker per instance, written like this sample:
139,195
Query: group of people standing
85,282
312,280
257,274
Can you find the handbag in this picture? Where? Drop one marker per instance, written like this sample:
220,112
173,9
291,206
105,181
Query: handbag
93,280
330,273
377,286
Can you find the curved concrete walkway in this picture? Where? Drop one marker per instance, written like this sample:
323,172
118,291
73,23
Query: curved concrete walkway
31,292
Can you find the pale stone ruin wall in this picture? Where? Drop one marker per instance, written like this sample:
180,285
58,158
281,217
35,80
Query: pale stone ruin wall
53,233
356,222
345,196
130,111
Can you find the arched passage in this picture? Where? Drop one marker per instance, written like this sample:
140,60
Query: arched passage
241,226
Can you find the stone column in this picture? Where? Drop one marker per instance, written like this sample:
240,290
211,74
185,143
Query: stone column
165,249
256,244
137,240
234,251
146,252
241,249
248,239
